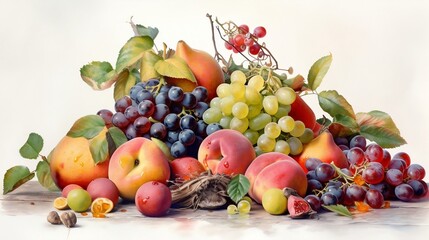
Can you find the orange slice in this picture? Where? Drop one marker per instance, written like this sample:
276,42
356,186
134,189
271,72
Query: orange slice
60,203
101,206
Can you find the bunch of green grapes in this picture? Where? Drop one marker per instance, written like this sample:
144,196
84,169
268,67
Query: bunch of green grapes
263,119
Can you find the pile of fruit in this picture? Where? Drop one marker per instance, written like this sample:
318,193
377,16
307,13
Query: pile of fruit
189,130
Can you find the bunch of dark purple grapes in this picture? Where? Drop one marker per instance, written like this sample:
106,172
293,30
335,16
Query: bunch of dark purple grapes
373,177
154,109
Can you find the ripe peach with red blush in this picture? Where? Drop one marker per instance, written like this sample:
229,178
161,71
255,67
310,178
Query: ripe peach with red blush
186,168
153,199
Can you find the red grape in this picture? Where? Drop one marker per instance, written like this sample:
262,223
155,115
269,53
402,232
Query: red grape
404,156
374,198
416,172
374,153
404,192
374,173
356,156
394,177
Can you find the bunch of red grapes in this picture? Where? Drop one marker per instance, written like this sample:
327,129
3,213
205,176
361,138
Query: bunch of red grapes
242,39
373,177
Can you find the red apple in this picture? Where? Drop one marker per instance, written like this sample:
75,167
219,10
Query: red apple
153,199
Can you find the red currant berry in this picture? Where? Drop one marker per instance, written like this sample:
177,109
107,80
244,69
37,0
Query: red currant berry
254,49
239,40
243,28
249,41
259,32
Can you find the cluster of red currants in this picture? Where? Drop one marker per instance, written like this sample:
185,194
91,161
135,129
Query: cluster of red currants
242,39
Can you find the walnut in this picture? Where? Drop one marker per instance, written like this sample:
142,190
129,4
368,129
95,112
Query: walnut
54,218
69,219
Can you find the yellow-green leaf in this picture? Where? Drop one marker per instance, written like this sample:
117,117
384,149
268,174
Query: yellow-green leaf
147,66
133,51
43,173
126,80
98,75
379,127
175,67
318,71
88,126
339,209
335,104
15,177
99,148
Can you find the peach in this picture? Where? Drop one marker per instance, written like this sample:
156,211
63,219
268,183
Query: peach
153,199
205,68
103,187
136,162
275,170
186,168
324,148
71,162
226,152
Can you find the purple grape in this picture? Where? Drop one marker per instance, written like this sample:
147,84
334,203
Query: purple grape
313,184
374,198
404,192
175,94
314,202
188,122
394,177
324,172
161,110
329,199
106,115
189,101
200,93
213,127
358,141
142,125
178,149
119,120
146,108
416,172
131,113
158,130
187,137
312,163
355,193
145,94
130,132
420,187
172,121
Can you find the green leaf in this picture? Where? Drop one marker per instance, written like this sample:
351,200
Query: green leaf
238,187
379,127
98,75
335,104
88,126
99,149
339,209
115,138
32,146
146,31
175,67
147,66
318,71
133,51
124,84
43,173
15,177
343,126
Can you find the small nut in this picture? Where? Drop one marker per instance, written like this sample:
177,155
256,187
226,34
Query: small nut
69,219
54,218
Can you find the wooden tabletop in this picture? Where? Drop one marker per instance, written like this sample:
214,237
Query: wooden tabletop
23,216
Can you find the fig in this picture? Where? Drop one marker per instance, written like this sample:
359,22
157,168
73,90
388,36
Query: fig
297,206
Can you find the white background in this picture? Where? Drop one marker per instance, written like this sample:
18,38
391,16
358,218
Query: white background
380,51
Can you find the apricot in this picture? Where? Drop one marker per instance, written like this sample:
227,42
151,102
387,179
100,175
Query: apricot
205,68
226,151
324,148
275,170
103,188
71,162
186,168
153,199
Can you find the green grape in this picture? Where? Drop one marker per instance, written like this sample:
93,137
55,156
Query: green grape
247,198
283,111
238,76
272,130
282,147
223,90
244,206
257,82
240,125
285,95
295,145
240,110
307,136
252,135
232,209
258,123
215,102
226,104
225,121
252,96
237,90
286,123
212,115
254,110
298,130
258,150
266,144
270,104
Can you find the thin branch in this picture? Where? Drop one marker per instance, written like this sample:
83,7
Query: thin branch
218,56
